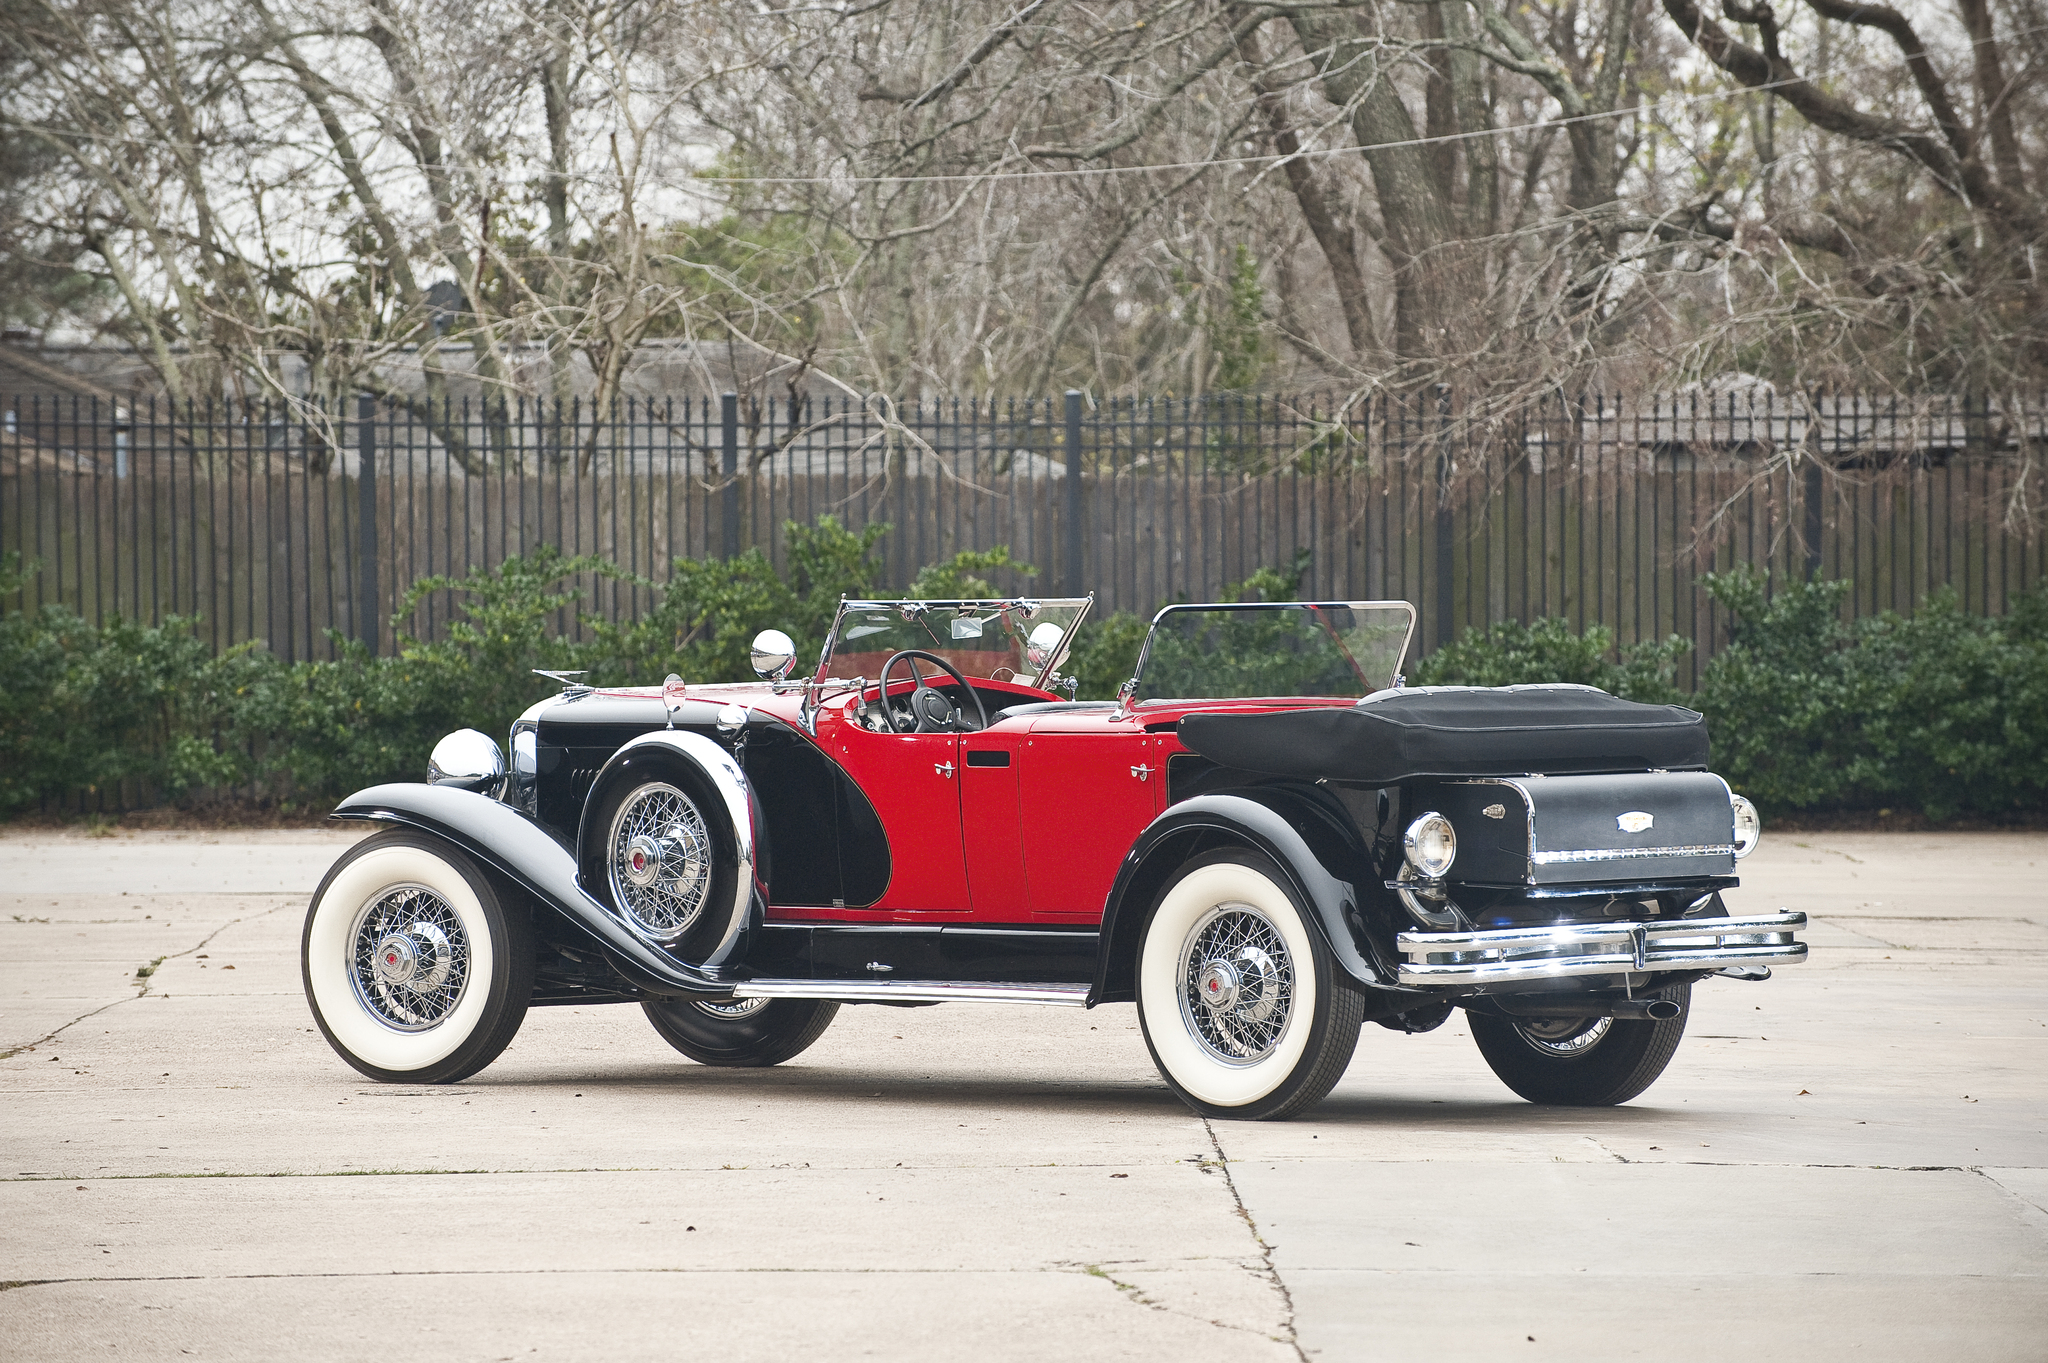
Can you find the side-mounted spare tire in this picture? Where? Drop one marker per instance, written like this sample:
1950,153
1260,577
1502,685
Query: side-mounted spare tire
668,844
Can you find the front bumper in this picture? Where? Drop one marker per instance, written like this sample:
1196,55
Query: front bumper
1515,954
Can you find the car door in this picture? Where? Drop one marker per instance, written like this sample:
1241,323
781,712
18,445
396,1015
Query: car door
913,782
1089,784
992,820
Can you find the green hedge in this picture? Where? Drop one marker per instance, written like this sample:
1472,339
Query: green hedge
95,708
1944,712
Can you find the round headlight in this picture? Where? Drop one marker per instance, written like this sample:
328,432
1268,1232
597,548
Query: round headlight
465,759
1431,845
1749,826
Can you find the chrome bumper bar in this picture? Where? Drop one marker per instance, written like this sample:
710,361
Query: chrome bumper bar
1512,954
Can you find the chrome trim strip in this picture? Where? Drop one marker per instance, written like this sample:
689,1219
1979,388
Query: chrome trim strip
1600,949
1701,849
915,991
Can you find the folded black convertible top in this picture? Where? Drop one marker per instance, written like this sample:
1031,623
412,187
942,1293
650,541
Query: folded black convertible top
1490,731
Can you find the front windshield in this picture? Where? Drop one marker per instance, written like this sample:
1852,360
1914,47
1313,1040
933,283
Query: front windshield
1285,648
1017,641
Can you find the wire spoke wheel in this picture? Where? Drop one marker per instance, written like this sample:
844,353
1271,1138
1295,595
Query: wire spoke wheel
1237,983
409,958
1564,1036
660,862
415,971
1237,997
1581,1062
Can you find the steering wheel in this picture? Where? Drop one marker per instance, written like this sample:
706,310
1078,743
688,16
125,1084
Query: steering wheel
930,712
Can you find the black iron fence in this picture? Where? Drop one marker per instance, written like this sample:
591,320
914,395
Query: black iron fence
282,521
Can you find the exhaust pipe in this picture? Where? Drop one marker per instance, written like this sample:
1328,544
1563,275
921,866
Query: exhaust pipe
1622,1010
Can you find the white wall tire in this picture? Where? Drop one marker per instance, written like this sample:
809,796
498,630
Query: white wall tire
415,972
1238,997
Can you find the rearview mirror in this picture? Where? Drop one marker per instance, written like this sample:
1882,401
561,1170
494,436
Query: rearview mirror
774,654
966,627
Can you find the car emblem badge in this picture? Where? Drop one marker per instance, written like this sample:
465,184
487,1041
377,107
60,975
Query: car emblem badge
1635,821
1495,811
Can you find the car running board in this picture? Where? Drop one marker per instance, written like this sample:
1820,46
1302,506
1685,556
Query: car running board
915,991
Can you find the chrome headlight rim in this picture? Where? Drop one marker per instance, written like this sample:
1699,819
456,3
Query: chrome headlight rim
467,759
1747,825
1430,845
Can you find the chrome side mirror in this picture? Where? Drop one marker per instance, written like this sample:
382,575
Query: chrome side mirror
467,760
1038,649
774,654
1126,699
673,694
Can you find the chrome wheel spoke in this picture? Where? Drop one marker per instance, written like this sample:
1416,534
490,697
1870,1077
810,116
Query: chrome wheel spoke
409,958
660,855
1564,1037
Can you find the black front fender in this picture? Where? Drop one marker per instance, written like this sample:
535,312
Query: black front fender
1315,846
524,850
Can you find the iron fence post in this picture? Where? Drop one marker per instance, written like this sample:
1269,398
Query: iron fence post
1446,526
367,625
1815,491
1074,586
729,470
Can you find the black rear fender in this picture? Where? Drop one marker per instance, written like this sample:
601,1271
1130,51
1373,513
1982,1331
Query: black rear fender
1309,835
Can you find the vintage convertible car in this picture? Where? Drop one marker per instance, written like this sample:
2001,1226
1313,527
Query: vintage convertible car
1264,842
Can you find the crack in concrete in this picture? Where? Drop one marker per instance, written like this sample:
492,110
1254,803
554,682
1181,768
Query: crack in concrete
1137,1297
384,1273
143,986
1269,1270
1218,1163
1613,1155
2029,1203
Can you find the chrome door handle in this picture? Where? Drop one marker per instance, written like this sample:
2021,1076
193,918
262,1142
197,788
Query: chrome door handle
1143,773
944,769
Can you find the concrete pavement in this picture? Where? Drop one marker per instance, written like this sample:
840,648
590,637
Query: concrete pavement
1848,1161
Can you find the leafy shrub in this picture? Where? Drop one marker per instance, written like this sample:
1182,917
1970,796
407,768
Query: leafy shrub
1942,711
1510,653
1785,699
1958,707
90,707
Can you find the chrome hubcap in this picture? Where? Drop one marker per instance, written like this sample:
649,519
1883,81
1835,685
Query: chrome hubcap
643,861
1237,989
409,958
